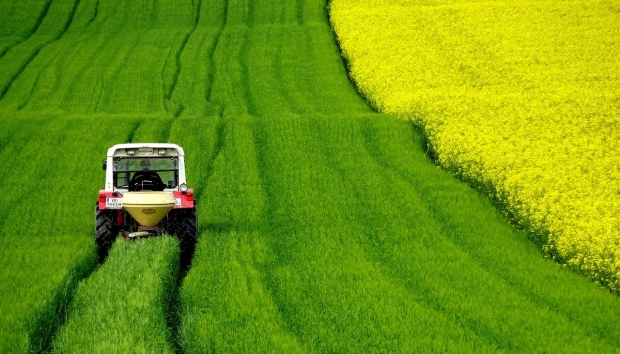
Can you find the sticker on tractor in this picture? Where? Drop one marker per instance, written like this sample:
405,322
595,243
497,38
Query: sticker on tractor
113,203
178,202
145,151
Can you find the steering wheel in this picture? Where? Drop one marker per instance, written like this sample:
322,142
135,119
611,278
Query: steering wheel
148,180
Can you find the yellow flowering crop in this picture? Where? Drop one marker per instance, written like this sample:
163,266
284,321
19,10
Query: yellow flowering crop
521,96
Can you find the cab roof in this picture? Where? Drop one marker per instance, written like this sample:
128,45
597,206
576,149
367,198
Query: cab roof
145,149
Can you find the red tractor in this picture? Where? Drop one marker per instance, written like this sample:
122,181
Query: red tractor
145,194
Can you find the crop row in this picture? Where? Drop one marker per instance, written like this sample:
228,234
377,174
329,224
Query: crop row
314,242
122,307
521,99
49,175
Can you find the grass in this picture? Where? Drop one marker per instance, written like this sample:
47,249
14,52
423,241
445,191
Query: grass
37,289
323,225
46,222
122,307
347,262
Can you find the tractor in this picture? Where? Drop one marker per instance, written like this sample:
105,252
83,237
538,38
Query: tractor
145,195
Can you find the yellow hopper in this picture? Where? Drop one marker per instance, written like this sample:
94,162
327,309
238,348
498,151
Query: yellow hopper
148,208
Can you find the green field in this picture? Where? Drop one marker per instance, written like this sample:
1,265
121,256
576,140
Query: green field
127,299
323,225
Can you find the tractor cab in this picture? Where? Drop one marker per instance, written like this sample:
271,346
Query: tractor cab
144,168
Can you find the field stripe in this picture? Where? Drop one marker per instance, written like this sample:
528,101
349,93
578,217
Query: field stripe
225,264
499,259
321,276
179,52
46,221
122,306
20,69
35,28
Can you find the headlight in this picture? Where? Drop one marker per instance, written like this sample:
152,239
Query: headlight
183,187
161,152
130,151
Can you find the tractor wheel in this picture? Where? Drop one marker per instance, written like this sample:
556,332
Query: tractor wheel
186,229
106,231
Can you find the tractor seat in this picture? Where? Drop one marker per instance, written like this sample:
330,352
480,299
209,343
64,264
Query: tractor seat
146,181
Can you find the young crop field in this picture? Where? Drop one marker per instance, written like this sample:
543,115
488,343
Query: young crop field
323,225
122,307
521,98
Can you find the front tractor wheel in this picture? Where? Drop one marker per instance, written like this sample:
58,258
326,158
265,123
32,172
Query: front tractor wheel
106,231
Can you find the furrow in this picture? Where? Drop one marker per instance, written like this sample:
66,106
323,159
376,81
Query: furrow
133,131
179,52
36,82
35,28
279,69
299,8
245,76
130,294
25,64
48,321
95,13
217,151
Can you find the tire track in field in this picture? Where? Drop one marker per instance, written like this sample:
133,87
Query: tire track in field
244,57
55,314
382,254
177,59
219,146
299,12
36,82
35,28
133,131
114,71
214,107
95,13
499,273
245,76
268,279
171,103
174,313
251,13
29,60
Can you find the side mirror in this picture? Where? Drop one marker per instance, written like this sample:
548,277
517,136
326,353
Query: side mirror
105,164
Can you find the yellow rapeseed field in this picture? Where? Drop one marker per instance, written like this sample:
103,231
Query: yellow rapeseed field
521,96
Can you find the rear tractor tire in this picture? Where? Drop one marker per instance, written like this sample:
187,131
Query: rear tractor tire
106,231
186,230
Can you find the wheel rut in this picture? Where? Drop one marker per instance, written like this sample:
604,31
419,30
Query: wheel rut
38,49
35,28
